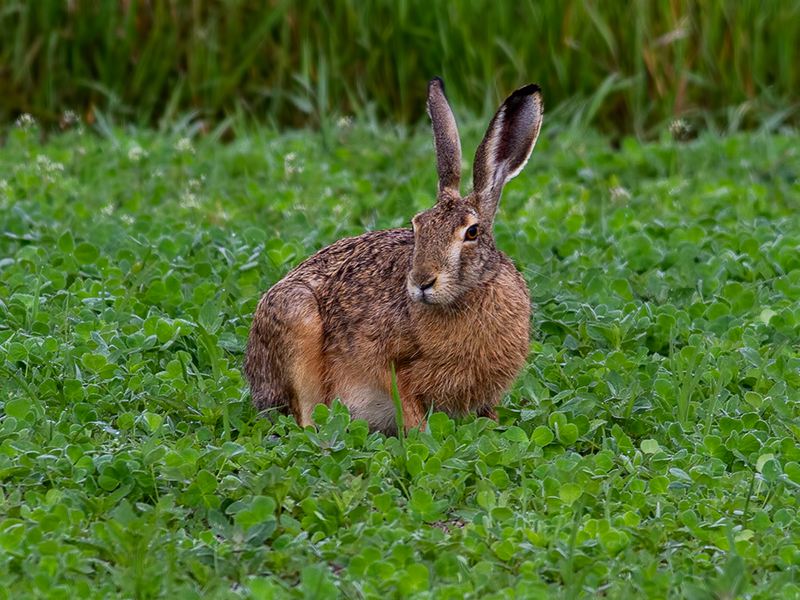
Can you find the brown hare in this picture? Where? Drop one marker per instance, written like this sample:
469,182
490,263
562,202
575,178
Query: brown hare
439,300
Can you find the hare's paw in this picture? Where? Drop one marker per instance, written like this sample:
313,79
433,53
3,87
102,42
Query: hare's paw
490,412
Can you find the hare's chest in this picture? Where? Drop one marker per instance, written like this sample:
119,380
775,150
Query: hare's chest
468,366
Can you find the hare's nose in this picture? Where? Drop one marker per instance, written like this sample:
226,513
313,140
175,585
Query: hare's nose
428,284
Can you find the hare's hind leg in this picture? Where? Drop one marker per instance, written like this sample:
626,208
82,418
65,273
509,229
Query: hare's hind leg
265,359
307,370
284,361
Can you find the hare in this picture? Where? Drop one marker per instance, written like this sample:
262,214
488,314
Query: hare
438,300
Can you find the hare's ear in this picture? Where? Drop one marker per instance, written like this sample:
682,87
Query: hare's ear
445,138
506,147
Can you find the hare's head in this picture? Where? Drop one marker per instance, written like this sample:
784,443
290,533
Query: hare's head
453,243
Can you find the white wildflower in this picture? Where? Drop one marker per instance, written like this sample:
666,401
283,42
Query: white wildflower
48,167
136,153
619,193
108,209
344,122
69,118
184,146
290,164
127,219
680,130
26,121
189,200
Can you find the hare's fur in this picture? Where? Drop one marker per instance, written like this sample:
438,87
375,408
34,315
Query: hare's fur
334,325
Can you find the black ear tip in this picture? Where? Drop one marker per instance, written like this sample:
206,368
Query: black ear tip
528,90
436,81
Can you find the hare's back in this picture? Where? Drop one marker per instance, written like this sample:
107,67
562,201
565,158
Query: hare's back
343,285
356,260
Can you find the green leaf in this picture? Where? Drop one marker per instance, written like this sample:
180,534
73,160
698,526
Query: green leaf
280,253
210,318
486,499
316,583
570,492
206,481
568,434
440,425
763,459
259,510
17,408
152,420
748,443
650,446
414,465
86,253
680,474
263,588
614,541
93,361
771,470
66,243
422,501
542,436
658,484
415,579
107,482
502,513
516,434
504,550
792,470
321,414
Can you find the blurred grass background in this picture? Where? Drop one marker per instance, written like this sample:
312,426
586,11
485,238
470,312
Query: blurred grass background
623,67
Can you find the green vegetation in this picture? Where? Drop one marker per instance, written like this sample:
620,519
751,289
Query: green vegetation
649,449
622,66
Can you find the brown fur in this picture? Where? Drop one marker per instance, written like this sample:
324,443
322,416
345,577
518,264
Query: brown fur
451,314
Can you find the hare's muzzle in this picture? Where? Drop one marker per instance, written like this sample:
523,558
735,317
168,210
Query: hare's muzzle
421,287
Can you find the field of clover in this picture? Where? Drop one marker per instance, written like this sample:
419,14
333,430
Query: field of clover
649,449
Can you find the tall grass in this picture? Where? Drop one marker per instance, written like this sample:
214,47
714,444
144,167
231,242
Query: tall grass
621,66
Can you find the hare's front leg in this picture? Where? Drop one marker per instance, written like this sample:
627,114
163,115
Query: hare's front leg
488,411
414,410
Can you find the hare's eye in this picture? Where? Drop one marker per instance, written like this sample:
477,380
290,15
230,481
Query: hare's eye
471,233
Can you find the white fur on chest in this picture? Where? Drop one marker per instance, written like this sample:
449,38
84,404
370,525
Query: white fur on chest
369,402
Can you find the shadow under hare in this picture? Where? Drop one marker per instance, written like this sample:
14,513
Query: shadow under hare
439,300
